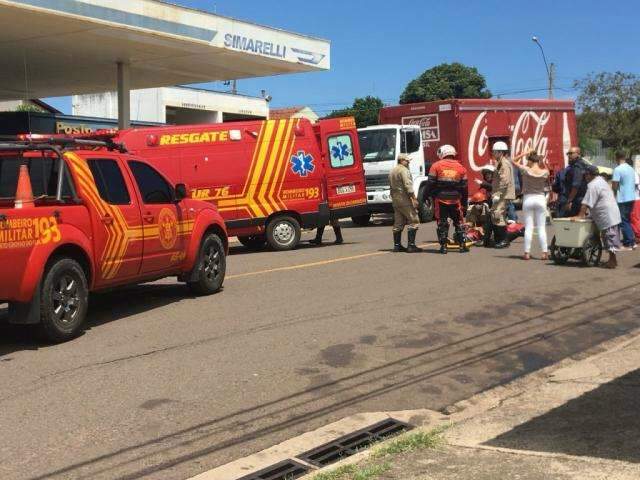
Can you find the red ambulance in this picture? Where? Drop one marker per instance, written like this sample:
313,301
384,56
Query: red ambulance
473,125
269,179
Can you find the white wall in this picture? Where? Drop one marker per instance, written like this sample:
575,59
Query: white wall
151,104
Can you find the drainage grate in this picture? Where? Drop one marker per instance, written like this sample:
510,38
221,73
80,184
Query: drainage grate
287,470
350,444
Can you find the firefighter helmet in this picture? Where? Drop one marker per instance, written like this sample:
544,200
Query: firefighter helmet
478,197
500,147
446,151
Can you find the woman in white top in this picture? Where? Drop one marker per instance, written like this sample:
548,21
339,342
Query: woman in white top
535,181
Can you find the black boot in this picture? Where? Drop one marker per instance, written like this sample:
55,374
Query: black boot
501,237
318,239
462,241
397,242
411,241
338,232
488,233
443,248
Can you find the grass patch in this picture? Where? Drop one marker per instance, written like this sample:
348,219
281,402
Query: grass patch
354,472
411,442
373,467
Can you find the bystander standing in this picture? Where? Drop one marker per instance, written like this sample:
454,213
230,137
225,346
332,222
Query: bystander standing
624,186
600,202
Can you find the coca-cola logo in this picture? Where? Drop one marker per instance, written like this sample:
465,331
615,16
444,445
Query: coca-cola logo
527,134
428,124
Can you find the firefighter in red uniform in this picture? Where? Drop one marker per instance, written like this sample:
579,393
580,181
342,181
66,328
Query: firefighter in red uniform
448,186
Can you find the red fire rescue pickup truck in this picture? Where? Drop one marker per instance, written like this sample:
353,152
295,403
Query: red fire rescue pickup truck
80,215
269,179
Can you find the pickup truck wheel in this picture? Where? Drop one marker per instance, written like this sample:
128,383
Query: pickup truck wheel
211,266
253,242
361,220
64,301
283,233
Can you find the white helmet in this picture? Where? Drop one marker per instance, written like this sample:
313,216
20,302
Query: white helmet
446,151
488,167
500,147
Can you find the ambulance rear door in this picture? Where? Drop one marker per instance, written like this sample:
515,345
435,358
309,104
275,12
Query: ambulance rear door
345,185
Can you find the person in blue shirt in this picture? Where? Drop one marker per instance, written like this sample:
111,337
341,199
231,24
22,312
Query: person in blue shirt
624,186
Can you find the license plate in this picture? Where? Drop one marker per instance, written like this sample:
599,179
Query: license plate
346,189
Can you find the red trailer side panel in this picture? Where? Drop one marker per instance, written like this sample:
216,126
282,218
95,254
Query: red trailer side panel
473,125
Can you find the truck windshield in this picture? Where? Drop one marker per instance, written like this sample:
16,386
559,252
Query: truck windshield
377,145
43,173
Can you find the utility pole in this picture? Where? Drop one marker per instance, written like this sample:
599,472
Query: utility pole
552,78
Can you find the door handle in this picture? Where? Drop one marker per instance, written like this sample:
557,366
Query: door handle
107,220
148,218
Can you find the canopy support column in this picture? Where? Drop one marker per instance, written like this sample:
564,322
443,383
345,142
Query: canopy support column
124,96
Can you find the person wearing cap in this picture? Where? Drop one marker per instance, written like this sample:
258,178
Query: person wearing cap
447,184
575,185
405,205
503,191
601,204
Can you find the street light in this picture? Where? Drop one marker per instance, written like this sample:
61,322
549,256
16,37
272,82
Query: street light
550,70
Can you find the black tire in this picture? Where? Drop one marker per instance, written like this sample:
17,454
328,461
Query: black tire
253,242
64,300
361,220
591,252
560,255
283,233
426,210
211,266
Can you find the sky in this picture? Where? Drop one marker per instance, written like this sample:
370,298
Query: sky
377,47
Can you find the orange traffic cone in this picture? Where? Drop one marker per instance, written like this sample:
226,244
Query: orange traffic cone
24,193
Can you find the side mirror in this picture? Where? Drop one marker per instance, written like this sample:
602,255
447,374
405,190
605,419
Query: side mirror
180,192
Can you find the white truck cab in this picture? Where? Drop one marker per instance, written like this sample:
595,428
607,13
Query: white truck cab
380,146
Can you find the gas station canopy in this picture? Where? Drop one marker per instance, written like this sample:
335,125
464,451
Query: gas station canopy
63,47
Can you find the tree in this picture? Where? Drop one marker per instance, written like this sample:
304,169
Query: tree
609,106
364,110
448,80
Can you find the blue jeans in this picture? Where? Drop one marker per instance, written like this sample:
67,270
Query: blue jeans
628,237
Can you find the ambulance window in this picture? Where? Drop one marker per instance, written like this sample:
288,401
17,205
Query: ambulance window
341,151
110,182
153,187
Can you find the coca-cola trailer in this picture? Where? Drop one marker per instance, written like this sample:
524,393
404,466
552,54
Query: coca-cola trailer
473,125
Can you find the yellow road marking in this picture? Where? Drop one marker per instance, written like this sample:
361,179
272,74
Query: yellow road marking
316,264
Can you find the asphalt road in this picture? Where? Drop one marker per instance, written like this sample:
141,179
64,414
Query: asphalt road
164,386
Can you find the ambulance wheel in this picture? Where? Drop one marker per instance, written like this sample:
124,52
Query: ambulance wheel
425,207
591,252
253,242
283,233
361,220
64,300
211,266
560,255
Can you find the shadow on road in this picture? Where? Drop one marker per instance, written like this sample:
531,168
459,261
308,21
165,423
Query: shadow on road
103,308
602,423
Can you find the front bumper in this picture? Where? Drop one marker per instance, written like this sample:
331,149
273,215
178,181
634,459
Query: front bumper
379,201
